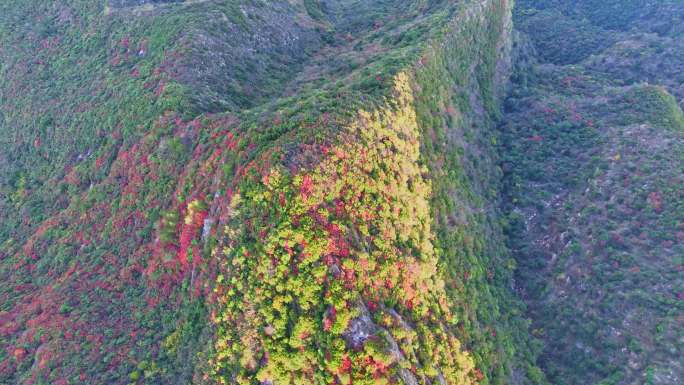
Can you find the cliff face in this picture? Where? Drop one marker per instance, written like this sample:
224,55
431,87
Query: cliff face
255,192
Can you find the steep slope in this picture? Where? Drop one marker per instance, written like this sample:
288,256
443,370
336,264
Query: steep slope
592,143
85,92
255,192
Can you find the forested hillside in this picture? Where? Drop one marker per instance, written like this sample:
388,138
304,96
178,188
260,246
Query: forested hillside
592,146
255,192
343,192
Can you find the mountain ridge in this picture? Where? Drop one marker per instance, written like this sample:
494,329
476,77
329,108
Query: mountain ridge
175,192
341,192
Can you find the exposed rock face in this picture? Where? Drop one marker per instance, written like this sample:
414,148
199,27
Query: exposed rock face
362,328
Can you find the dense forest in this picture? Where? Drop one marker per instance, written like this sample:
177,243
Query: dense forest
341,192
592,146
